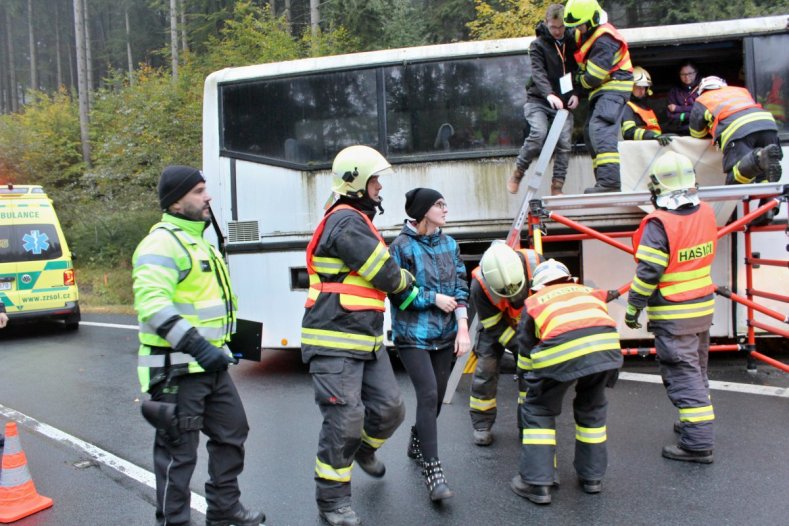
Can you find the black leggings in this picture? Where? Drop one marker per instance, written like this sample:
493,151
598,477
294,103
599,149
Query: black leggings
429,372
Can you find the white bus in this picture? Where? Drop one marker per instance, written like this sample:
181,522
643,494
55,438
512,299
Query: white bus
448,117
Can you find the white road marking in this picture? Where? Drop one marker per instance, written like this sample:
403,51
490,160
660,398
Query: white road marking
110,325
99,455
763,390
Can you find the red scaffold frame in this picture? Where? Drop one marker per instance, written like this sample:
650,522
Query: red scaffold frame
747,342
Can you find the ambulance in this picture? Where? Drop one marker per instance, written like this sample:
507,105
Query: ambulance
36,272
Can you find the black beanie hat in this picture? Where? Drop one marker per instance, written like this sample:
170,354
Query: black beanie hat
175,182
419,200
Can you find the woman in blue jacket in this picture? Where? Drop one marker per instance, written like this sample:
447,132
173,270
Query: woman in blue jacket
431,326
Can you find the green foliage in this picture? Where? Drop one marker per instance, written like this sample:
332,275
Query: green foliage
334,42
514,18
104,286
445,20
664,12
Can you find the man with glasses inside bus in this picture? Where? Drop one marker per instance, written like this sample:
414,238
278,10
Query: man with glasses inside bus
549,89
350,273
605,70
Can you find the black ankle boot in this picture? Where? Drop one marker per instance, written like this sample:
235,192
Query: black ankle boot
435,480
415,448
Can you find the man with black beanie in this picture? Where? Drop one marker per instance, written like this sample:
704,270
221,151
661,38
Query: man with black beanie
187,313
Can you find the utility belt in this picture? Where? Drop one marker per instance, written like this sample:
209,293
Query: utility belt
162,414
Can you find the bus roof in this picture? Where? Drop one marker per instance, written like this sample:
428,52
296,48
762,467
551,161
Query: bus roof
694,32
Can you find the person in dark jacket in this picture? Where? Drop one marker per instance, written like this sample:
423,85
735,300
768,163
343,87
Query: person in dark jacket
3,316
565,337
606,72
433,326
549,89
681,99
350,273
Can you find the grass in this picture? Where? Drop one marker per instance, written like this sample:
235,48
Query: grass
105,289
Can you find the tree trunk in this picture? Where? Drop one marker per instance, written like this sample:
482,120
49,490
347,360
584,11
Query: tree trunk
315,17
58,60
184,41
82,80
174,37
32,39
128,47
12,87
88,52
287,17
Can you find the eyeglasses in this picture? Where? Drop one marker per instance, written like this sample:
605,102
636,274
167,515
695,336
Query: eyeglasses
689,74
441,204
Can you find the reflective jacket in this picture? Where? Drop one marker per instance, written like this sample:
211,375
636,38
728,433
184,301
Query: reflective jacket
728,113
604,60
350,273
674,251
180,282
499,316
566,333
639,122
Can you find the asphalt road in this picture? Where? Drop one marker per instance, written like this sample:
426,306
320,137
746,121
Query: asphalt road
84,384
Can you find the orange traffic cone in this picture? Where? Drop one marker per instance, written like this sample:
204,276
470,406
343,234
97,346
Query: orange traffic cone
18,497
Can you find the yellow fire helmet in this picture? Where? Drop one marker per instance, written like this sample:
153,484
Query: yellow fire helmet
354,166
672,181
578,12
502,269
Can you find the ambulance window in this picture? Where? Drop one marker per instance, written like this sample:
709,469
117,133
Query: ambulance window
29,243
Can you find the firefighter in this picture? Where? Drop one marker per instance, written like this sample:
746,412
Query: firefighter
350,273
187,312
565,337
606,72
675,246
639,121
747,134
499,286
549,90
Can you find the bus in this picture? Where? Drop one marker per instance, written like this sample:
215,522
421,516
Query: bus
449,117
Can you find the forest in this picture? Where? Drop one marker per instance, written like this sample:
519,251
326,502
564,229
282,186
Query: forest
97,96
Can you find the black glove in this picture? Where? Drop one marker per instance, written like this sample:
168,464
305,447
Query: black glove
612,295
631,317
664,139
210,357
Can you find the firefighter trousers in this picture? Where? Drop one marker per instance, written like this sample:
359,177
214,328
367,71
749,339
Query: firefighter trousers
214,397
360,402
602,136
541,406
683,366
485,382
739,157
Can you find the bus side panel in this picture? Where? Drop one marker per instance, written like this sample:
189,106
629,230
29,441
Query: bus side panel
606,267
262,282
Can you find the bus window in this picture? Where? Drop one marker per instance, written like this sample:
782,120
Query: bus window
306,120
771,77
458,105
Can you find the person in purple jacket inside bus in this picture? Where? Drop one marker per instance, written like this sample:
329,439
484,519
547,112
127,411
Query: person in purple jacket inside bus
681,98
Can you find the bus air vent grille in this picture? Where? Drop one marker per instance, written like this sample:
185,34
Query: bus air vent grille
243,232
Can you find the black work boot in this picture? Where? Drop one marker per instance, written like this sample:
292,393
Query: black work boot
678,427
769,160
674,452
435,481
344,516
483,437
415,448
590,486
536,494
596,189
241,517
365,458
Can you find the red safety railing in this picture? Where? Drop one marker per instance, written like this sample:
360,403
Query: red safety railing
538,235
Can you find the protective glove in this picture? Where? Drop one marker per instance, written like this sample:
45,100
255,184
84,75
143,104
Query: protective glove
210,357
664,139
612,295
631,317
